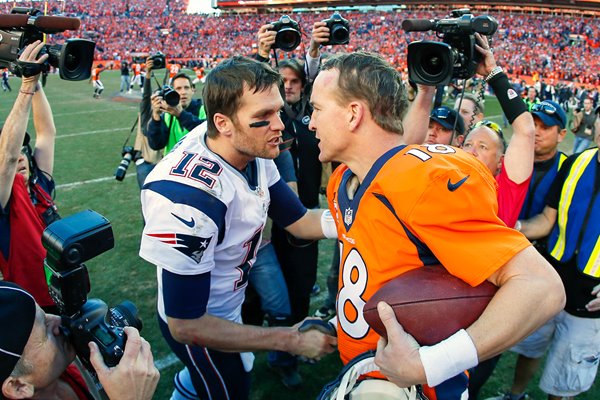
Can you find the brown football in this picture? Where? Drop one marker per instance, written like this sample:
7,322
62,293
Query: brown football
430,304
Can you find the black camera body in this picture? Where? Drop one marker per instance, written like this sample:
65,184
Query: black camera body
128,154
437,63
159,61
288,34
73,58
339,29
68,243
169,95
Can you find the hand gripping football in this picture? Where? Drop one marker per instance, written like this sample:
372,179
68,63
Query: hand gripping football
429,303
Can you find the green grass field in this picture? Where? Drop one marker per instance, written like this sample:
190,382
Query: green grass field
91,134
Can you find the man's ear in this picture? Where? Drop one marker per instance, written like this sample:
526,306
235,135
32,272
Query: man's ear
17,388
561,134
356,110
223,123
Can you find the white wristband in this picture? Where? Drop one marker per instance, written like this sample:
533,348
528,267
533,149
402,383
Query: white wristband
328,225
448,358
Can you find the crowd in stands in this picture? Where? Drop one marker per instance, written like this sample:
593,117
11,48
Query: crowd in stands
563,48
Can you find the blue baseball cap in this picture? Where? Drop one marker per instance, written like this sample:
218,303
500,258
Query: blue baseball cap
551,113
446,117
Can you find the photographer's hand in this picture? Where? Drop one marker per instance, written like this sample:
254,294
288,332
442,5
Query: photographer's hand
488,62
29,55
173,110
266,39
149,65
135,377
157,102
320,35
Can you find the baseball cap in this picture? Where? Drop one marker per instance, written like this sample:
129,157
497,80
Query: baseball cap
551,113
17,315
446,117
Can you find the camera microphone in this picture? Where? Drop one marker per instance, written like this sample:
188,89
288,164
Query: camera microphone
45,24
418,25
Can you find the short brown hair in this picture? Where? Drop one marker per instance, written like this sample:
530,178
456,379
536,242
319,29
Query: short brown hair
225,85
368,77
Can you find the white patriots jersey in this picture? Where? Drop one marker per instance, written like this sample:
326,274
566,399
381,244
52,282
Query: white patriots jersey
203,215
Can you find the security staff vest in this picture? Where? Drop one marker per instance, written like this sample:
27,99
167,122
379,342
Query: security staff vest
577,229
176,132
540,183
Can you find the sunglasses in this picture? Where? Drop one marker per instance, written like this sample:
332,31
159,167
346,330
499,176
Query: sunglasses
441,113
496,128
546,108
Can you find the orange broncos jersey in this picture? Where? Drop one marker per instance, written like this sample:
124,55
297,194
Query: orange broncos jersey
419,205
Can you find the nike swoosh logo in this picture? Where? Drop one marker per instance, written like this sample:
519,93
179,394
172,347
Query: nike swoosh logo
453,186
189,224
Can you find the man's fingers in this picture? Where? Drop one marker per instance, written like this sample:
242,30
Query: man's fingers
133,345
96,359
388,318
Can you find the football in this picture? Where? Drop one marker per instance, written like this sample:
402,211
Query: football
429,303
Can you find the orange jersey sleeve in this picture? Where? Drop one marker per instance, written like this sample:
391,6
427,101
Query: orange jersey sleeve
418,206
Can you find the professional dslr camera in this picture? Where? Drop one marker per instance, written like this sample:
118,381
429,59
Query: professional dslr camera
437,63
169,95
288,34
69,242
128,154
159,61
24,26
339,29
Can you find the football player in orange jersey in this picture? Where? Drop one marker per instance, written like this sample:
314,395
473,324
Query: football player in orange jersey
401,207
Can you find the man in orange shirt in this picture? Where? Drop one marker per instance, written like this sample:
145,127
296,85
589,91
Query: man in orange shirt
401,207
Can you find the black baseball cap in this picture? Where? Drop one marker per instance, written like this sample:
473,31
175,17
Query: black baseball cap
17,315
447,117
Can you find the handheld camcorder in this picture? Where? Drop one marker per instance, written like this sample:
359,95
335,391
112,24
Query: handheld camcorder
69,242
128,154
437,63
24,26
339,29
159,61
288,34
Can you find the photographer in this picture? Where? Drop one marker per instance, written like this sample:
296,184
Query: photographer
169,123
26,184
36,359
582,126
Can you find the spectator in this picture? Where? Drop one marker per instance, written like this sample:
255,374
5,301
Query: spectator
446,126
582,126
124,77
170,123
26,184
531,97
36,358
471,109
5,83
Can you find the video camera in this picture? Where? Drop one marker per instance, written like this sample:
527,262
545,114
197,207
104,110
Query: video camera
69,242
288,34
24,26
339,29
437,63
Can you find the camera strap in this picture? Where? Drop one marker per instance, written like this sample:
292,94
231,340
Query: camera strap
26,69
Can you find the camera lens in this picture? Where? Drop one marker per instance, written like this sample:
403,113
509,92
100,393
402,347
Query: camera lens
432,64
339,34
125,314
287,39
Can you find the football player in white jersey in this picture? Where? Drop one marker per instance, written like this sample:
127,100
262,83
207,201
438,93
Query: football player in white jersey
205,205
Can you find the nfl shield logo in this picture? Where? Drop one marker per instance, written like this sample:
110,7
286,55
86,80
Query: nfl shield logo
348,216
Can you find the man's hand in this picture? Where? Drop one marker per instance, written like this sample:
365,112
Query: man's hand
398,356
149,65
312,343
594,305
488,62
29,55
266,39
135,377
320,35
159,106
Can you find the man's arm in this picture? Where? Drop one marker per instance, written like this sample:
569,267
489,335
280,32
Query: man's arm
540,225
266,39
45,131
522,304
15,125
218,333
310,225
320,35
416,120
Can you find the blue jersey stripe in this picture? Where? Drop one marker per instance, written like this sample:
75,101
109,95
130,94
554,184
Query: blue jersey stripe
179,193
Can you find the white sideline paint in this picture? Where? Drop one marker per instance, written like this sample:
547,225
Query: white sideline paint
80,183
92,132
